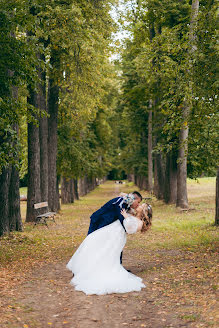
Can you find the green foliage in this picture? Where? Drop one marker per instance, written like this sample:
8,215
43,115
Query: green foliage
103,113
17,65
159,70
69,41
87,95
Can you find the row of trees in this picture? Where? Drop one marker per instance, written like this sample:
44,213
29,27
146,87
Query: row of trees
68,116
168,100
56,101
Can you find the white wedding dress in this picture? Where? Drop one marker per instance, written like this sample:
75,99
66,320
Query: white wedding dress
96,263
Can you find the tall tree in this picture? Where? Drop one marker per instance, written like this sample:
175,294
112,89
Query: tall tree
11,57
150,149
53,100
182,198
43,133
217,199
33,186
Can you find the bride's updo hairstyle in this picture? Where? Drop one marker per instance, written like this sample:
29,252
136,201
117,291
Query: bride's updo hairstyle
144,213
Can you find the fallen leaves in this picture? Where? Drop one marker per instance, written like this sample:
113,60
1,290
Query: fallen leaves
179,270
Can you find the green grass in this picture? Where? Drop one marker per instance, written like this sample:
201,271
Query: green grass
23,191
171,227
175,229
190,317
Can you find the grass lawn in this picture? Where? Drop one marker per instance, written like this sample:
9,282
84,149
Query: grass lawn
23,191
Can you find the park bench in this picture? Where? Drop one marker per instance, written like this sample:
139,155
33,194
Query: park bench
43,217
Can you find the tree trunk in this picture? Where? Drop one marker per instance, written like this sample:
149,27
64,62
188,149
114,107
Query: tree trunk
143,182
4,204
130,177
58,193
85,184
150,148
10,216
94,182
170,192
135,179
150,137
217,199
76,196
67,191
182,199
64,190
79,187
53,98
33,186
158,176
88,185
15,221
43,133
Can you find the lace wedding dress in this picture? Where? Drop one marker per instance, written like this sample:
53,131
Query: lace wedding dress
96,263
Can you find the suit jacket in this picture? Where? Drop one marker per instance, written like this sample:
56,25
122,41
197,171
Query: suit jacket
107,214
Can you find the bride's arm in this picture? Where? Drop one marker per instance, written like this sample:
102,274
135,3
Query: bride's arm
131,224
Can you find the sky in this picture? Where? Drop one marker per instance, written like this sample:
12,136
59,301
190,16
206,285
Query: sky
122,33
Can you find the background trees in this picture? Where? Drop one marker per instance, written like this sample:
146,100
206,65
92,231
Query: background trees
162,72
53,78
70,115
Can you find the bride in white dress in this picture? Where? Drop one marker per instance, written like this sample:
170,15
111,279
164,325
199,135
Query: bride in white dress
96,263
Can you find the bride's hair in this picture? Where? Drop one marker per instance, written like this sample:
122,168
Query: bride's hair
145,215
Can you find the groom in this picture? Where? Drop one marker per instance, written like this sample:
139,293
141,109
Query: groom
110,212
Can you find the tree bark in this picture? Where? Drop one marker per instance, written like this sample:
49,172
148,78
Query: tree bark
58,193
4,204
67,190
79,187
76,196
53,98
143,182
150,137
182,198
217,199
170,191
158,176
15,221
33,186
43,134
150,148
10,216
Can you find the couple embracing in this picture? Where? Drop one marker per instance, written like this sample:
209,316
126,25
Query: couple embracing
97,263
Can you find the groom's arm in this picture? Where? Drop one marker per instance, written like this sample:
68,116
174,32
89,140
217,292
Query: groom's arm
119,215
104,208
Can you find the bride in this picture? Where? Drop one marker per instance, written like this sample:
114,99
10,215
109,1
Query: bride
96,263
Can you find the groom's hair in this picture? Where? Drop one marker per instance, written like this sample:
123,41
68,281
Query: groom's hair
137,193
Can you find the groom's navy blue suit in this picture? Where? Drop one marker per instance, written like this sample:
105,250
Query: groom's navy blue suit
107,214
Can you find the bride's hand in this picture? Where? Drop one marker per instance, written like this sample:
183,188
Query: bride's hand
123,212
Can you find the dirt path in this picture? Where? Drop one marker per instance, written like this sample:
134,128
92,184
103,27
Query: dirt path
46,299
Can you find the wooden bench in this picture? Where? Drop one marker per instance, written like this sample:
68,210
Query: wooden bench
42,218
